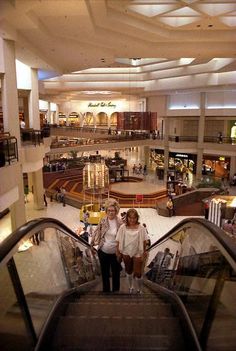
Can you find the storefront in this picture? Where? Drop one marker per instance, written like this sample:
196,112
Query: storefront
218,166
180,162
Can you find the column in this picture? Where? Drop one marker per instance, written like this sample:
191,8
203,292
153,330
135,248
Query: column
232,166
34,120
56,118
201,130
30,181
11,122
166,147
37,181
141,154
199,163
146,156
26,111
48,114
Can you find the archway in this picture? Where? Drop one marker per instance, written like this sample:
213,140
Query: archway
102,119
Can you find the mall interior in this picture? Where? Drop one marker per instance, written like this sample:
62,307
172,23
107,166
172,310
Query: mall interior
132,100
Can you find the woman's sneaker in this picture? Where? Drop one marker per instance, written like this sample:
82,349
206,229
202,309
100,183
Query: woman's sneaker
131,290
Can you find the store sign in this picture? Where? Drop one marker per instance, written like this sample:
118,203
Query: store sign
139,198
101,104
181,155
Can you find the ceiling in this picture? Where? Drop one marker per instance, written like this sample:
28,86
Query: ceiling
114,48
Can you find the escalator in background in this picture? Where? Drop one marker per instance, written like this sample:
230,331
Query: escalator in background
201,271
50,295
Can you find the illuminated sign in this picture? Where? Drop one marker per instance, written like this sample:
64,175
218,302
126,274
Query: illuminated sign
181,155
101,104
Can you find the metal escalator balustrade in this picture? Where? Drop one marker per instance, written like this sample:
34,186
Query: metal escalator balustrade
197,261
32,277
201,272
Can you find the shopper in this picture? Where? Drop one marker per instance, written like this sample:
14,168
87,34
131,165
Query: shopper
131,244
148,240
170,207
228,227
105,237
86,218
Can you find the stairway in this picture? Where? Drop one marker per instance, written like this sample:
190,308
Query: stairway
117,322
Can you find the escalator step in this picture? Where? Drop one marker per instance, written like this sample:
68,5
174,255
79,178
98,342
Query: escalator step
119,308
127,342
106,325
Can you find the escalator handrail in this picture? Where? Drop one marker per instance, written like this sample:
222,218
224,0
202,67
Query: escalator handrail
218,234
10,245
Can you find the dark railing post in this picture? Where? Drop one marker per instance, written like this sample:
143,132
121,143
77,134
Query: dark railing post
21,300
213,303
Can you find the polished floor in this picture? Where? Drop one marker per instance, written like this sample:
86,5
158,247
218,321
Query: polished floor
157,225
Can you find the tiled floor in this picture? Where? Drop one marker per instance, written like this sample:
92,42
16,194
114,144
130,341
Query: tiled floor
157,225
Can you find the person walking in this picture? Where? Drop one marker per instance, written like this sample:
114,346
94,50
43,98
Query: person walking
105,237
86,218
170,207
131,245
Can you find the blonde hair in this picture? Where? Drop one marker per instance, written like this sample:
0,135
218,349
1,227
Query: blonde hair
112,202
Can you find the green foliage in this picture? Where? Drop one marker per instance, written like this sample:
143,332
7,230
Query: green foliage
73,154
209,182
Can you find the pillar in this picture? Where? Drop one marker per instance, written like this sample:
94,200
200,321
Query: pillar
37,181
201,130
232,166
30,181
146,156
26,111
56,115
48,114
199,163
34,120
11,122
166,140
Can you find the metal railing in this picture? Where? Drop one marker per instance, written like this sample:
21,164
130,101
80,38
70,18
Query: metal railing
8,149
31,137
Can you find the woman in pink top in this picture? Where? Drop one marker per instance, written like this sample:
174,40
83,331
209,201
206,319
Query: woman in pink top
131,243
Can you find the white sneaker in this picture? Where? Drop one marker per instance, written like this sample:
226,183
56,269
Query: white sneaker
131,290
139,292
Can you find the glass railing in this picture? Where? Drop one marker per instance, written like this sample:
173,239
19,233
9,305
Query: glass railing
197,261
8,150
38,263
31,137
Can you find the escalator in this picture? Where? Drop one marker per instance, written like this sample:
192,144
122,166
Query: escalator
50,295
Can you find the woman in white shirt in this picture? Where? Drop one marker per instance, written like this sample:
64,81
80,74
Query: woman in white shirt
105,237
131,243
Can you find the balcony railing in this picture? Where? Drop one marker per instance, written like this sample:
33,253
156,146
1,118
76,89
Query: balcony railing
8,149
31,137
206,139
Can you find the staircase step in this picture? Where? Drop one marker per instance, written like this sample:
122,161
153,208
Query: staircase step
121,308
121,342
106,325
